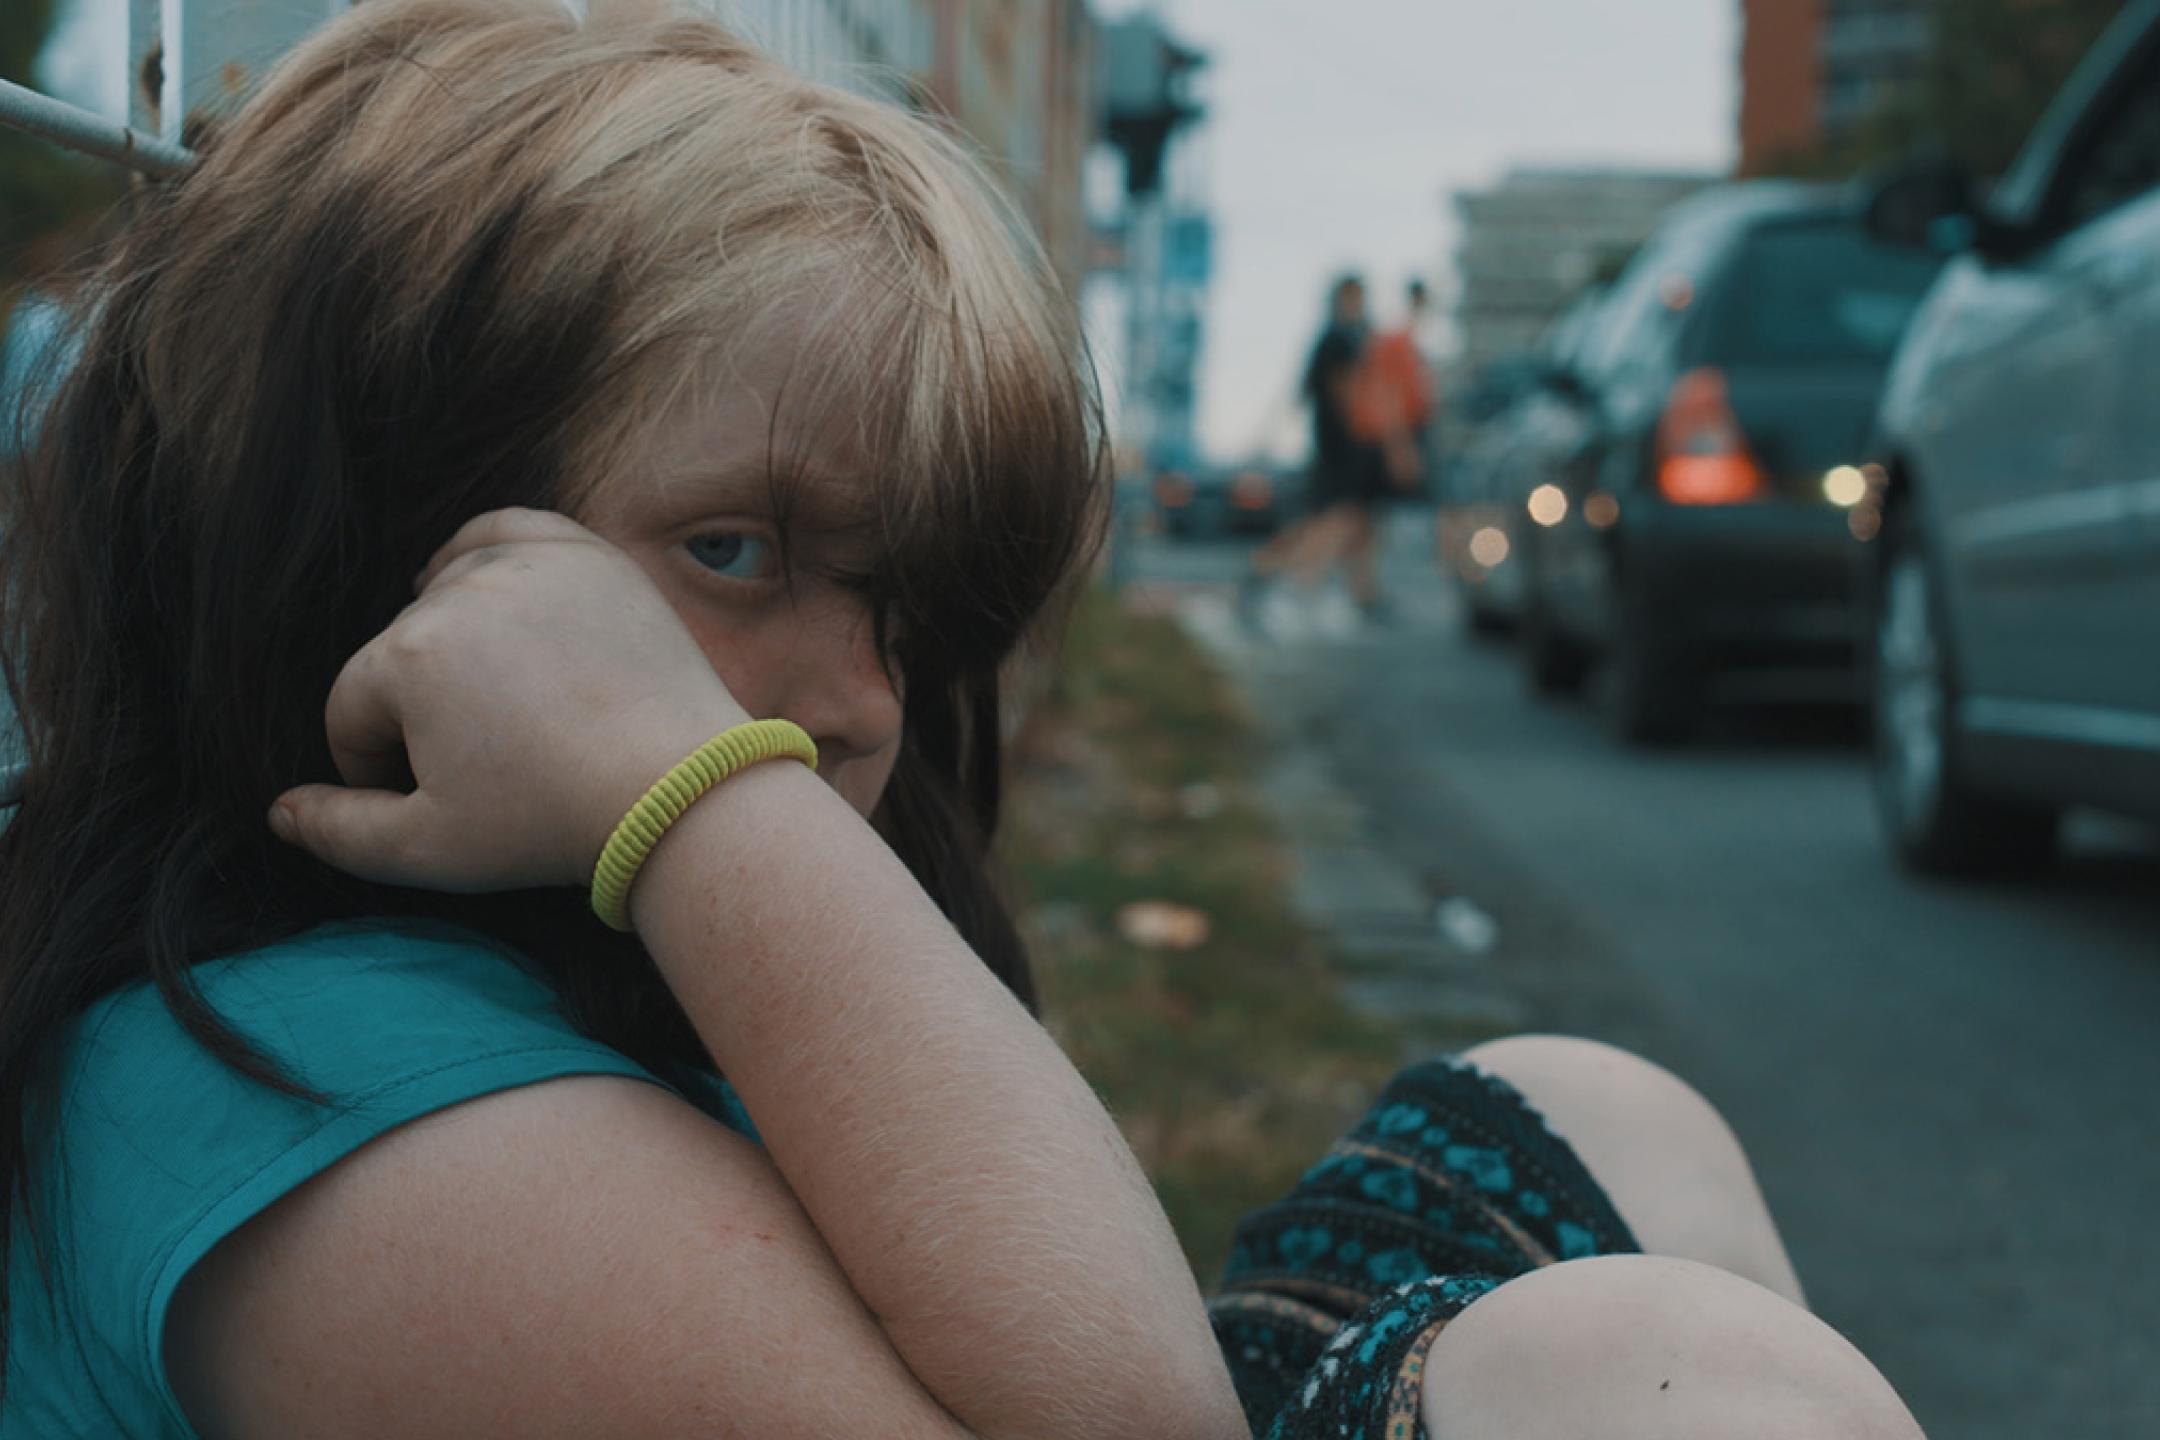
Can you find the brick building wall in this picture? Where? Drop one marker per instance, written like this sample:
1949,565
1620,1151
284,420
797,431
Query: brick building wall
1781,80
1019,77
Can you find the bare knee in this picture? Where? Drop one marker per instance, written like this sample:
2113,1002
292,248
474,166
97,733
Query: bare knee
1648,1346
1666,1157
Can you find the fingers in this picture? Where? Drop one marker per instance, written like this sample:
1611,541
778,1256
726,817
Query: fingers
496,528
443,574
366,833
363,725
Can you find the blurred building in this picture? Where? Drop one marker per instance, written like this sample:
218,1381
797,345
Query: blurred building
1018,77
1813,73
1021,77
1780,80
878,47
1530,243
1874,52
1160,241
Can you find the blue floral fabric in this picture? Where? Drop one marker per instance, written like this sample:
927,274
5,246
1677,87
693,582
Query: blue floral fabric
1450,1186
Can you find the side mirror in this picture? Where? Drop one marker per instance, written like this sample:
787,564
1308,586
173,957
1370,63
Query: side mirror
1918,204
1932,203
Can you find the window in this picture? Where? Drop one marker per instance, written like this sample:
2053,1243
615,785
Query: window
1817,293
1648,304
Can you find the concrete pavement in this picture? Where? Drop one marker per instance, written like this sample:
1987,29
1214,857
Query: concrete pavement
1952,1094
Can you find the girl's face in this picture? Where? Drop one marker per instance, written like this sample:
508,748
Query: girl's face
694,509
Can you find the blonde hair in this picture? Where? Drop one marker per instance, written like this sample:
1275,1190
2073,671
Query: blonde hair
455,255
452,256
657,157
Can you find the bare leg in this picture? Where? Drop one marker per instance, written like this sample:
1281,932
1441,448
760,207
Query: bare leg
1331,533
1363,549
1663,1153
1643,1347
1274,557
1290,551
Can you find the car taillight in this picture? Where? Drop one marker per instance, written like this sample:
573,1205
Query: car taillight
1251,491
1173,492
1702,455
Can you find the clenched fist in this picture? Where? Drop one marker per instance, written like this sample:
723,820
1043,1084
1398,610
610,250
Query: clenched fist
534,689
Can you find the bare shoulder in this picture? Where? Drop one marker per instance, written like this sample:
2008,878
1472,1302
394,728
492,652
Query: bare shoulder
586,1257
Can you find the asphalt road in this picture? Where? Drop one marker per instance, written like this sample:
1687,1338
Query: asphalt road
1950,1093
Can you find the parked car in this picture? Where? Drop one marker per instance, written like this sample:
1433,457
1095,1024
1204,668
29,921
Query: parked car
2015,569
1234,500
1693,517
1466,410
1478,520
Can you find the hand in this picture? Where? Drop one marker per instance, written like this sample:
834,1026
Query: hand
534,690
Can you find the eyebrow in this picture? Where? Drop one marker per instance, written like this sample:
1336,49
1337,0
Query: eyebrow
808,492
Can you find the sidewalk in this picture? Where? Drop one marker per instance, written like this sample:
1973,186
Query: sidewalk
1416,953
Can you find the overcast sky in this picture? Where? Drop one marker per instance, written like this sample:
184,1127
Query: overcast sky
1338,126
1336,129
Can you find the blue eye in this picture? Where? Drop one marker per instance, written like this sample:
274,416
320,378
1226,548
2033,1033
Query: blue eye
732,554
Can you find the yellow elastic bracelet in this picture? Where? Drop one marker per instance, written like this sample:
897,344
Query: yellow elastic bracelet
675,792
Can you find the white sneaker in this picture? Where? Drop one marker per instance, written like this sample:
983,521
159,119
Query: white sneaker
1335,617
1284,617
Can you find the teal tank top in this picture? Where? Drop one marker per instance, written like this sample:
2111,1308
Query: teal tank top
160,1151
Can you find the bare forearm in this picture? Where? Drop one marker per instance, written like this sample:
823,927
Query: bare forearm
977,1195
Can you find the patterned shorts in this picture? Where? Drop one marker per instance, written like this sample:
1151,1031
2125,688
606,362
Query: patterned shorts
1450,1186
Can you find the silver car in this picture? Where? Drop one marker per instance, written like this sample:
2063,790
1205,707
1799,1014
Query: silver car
2015,563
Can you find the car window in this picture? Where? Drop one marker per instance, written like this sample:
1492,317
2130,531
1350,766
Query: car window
1820,293
1562,342
1496,388
2122,160
1646,305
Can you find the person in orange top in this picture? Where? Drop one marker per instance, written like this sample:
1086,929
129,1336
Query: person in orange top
1392,401
1372,405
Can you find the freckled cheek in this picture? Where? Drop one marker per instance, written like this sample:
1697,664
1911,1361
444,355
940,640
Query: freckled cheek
751,660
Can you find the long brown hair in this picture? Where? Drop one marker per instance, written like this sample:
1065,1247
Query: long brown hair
450,258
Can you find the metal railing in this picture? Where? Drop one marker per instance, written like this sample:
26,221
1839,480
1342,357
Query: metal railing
22,108
149,146
217,49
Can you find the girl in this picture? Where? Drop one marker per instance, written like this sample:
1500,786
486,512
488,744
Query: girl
506,406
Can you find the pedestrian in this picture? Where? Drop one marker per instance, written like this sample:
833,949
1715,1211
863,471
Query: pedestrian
513,407
1395,397
1356,433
